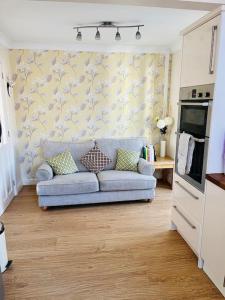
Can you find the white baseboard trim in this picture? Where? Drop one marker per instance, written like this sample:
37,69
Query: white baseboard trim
7,202
18,188
29,181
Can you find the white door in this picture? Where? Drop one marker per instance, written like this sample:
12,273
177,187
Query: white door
199,54
7,158
213,241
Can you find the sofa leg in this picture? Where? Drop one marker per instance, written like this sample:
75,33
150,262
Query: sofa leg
149,200
44,208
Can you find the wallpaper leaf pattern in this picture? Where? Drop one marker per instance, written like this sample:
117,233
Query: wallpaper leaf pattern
70,96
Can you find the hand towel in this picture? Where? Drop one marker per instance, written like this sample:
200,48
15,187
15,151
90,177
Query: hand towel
183,152
191,148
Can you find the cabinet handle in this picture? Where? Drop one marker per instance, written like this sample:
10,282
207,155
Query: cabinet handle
211,59
186,190
185,218
224,282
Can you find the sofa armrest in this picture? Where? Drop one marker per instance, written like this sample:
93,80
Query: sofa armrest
44,172
145,167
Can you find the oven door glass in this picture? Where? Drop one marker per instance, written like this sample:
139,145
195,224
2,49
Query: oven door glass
197,162
193,119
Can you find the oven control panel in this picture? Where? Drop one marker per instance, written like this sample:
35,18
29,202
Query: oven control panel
200,92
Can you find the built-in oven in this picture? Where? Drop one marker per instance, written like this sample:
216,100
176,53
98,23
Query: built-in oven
194,118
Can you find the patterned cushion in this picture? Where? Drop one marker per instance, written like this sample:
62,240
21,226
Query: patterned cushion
127,160
95,161
63,163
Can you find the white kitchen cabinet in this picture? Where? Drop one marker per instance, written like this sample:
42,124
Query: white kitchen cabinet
199,54
189,198
187,213
213,238
187,227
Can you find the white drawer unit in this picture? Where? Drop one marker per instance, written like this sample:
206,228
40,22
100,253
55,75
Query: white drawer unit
189,198
187,227
187,213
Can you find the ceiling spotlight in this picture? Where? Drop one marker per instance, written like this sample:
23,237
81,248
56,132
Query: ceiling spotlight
138,34
117,37
97,36
79,35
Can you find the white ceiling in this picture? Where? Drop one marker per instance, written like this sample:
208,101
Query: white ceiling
181,4
49,24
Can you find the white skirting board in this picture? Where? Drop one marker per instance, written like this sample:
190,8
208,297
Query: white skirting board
6,203
29,181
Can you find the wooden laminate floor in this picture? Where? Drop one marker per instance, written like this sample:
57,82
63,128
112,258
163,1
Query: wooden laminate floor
111,251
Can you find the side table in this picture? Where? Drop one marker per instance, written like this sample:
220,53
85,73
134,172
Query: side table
166,165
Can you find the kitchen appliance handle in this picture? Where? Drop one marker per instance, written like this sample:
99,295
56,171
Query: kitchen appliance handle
194,103
186,190
194,138
212,50
185,218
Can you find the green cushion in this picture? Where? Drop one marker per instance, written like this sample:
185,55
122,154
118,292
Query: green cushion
63,163
127,160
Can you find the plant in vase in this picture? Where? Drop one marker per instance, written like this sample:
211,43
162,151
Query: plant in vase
163,125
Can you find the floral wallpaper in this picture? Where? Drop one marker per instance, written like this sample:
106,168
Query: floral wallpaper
70,96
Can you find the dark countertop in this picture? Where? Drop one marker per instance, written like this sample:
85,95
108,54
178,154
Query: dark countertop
218,179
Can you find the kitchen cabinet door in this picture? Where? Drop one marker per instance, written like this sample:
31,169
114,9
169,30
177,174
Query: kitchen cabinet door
199,54
187,212
213,240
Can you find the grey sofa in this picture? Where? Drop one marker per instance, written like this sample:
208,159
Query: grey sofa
85,187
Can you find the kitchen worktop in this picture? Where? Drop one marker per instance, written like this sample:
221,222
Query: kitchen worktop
218,179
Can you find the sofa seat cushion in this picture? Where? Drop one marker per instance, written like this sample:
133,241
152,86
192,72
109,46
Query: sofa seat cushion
71,184
112,180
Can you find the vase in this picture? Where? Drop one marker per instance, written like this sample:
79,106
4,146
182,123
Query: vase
162,148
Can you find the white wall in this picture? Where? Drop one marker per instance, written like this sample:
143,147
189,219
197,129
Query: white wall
173,99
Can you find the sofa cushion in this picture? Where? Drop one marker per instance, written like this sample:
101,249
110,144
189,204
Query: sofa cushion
77,183
63,163
77,150
112,180
44,172
95,161
110,146
127,160
145,167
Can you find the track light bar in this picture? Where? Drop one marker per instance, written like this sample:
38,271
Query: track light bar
108,24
